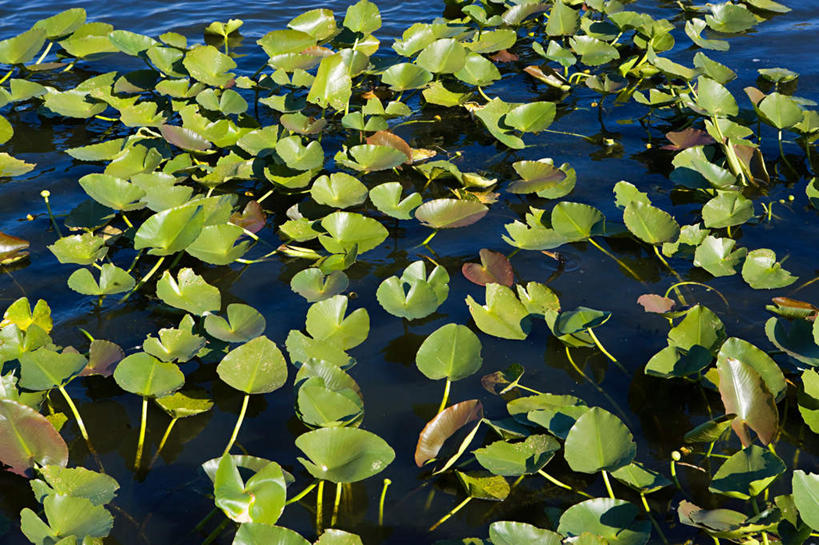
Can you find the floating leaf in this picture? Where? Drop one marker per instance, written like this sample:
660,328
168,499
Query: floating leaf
651,302
503,314
443,426
718,256
387,198
175,344
344,455
599,441
208,65
611,519
514,459
188,291
762,271
494,268
144,375
339,190
806,496
745,395
256,367
450,213
28,438
650,224
23,47
333,85
112,280
347,230
243,323
747,473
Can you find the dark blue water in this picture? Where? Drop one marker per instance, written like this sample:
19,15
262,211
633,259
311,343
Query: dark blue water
164,507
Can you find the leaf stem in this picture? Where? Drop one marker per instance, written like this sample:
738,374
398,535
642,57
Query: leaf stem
336,503
319,500
162,441
596,386
446,396
9,73
387,484
144,279
301,494
608,484
47,49
700,284
452,512
45,194
611,255
604,351
429,238
652,519
141,442
80,423
561,484
238,424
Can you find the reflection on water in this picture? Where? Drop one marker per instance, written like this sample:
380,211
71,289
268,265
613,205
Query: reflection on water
163,505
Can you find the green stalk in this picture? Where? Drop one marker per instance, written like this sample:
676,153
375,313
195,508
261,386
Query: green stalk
446,396
301,494
144,279
9,73
238,424
596,386
611,255
608,484
216,532
387,484
604,351
319,501
43,56
164,440
429,238
80,423
652,519
562,484
142,425
452,512
45,194
336,503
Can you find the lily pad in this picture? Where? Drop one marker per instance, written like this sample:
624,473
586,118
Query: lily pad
344,455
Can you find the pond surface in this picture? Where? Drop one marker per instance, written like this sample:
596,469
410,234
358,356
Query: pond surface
163,506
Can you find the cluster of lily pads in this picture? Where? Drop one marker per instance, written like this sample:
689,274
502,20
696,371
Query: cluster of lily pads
203,163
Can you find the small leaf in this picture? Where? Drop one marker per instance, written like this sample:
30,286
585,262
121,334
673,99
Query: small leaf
494,267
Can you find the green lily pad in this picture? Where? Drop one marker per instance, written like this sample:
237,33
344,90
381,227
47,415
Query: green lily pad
82,249
112,192
806,496
44,369
599,441
542,177
514,459
144,375
520,533
254,533
387,199
808,399
216,244
638,477
450,213
730,18
178,344
261,499
256,367
207,64
406,76
326,322
67,516
795,338
762,271
451,351
718,256
344,455
613,520
333,85
745,395
23,47
761,362
112,280
339,190
575,221
727,209
715,99
747,473
243,323
189,292
171,230
185,403
348,230
503,314
78,482
650,224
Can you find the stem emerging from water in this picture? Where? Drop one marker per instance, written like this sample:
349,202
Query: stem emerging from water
387,484
80,425
561,484
142,425
604,351
452,512
611,255
608,483
319,500
336,503
238,424
164,440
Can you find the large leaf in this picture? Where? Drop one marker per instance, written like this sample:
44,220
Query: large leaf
347,230
514,459
261,499
171,230
444,56
759,360
188,291
747,473
443,426
762,271
452,351
650,224
256,367
611,519
44,369
326,322
450,213
22,48
576,221
28,438
520,533
806,496
502,315
344,455
599,441
208,65
69,517
144,375
254,533
333,85
745,395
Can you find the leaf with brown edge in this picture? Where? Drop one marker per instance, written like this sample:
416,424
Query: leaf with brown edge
28,438
687,138
12,248
444,426
754,94
508,378
753,160
504,56
745,395
252,218
494,267
796,304
183,138
386,138
103,357
651,302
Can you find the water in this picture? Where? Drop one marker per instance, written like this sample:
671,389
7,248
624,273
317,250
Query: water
173,497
